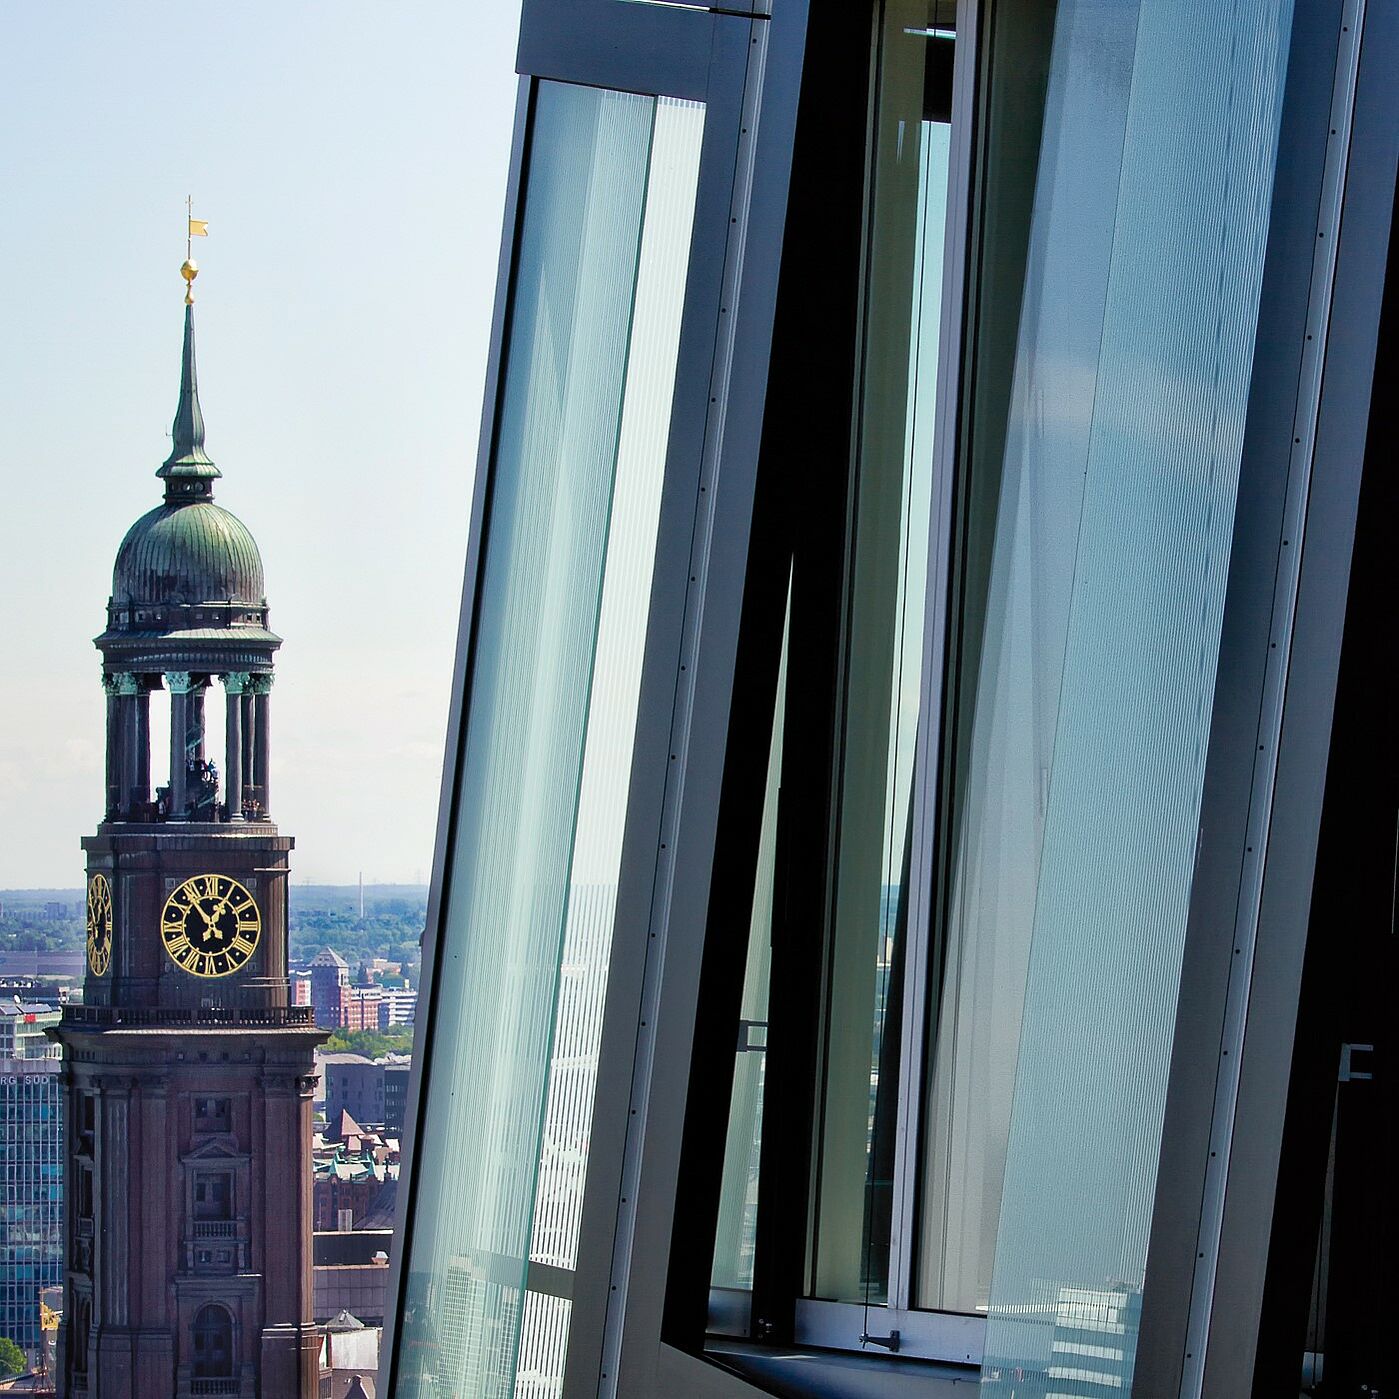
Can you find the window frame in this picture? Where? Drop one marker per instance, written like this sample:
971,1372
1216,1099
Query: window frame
742,65
696,55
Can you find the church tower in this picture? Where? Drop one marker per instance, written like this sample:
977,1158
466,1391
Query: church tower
187,1075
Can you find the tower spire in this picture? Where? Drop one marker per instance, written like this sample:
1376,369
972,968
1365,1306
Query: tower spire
189,470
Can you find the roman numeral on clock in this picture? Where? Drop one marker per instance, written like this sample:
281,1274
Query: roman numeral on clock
210,925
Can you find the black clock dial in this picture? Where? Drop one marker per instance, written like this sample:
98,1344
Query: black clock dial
210,925
99,924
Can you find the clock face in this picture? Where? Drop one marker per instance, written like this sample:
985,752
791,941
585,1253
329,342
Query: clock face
99,924
210,925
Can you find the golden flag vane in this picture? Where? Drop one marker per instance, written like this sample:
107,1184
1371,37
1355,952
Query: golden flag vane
196,228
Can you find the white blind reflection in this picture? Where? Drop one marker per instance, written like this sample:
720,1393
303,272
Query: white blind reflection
1098,667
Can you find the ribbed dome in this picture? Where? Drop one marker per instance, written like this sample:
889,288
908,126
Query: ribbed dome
188,554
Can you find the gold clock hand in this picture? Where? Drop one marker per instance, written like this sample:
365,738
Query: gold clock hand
208,922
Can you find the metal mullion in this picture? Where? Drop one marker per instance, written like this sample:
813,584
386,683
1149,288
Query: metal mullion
753,103
1353,225
923,902
456,726
1266,777
618,1118
698,709
1270,727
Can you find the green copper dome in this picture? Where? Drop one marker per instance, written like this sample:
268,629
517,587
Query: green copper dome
187,589
188,554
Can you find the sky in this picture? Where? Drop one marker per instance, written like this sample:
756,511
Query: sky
350,158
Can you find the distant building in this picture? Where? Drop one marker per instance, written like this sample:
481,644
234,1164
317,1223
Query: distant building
31,1171
56,991
362,1007
397,1070
299,988
22,1026
330,987
349,1358
397,1008
372,1091
351,1273
373,969
44,965
354,1083
356,1175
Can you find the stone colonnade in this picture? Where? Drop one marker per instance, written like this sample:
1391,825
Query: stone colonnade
190,795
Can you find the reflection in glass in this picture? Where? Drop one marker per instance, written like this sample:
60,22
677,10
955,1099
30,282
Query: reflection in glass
1078,823
616,686
885,589
560,615
736,1236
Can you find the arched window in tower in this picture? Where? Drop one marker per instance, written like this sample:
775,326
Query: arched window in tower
213,1343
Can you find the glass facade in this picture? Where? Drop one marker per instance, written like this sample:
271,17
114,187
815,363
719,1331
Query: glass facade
31,1194
559,625
962,728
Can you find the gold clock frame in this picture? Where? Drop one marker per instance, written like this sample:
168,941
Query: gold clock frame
231,950
99,907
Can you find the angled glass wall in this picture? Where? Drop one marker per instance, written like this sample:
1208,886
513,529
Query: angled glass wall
891,1009
559,620
1096,678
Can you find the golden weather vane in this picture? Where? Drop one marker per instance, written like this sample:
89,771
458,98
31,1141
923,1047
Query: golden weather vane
196,228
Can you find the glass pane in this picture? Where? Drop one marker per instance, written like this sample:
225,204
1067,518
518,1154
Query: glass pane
616,687
886,580
568,429
736,1236
1096,673
999,724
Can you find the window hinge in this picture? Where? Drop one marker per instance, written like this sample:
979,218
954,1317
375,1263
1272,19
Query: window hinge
889,1342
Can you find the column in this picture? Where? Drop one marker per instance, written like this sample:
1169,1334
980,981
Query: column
127,689
250,791
234,683
109,689
261,686
194,753
194,728
178,683
141,737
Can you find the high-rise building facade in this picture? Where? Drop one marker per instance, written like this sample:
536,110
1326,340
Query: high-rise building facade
914,900
31,1171
330,987
187,1076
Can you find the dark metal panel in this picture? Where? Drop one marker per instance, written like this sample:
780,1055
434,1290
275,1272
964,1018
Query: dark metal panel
701,717
1248,920
808,445
1171,1256
1341,427
451,765
611,43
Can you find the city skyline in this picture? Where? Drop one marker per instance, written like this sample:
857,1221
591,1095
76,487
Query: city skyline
342,347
